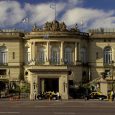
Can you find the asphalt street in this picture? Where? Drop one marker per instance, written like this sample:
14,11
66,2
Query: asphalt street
71,107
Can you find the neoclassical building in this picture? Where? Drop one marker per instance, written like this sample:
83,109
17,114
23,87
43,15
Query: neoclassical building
53,58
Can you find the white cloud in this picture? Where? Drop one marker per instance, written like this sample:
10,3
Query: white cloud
93,16
42,12
107,22
10,13
71,12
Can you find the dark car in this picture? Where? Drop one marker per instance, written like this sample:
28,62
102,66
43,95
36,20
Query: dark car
96,95
48,95
40,96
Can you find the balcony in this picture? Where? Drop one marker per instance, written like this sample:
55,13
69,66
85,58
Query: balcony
51,63
3,64
2,77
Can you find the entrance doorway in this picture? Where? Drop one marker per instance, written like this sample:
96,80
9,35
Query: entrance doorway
50,84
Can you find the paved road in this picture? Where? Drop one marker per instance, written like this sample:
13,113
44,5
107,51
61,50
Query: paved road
77,107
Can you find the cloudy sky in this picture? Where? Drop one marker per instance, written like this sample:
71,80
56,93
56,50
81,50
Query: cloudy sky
91,13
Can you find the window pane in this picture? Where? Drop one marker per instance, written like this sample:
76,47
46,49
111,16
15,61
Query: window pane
3,56
68,56
55,55
41,55
27,55
107,55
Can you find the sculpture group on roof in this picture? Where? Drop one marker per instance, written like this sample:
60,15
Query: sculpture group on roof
55,26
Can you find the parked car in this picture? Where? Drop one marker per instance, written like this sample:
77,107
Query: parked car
40,96
48,95
96,95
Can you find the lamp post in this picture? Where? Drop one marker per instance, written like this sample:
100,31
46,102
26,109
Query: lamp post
64,85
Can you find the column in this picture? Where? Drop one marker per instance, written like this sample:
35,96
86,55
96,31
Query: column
61,53
33,87
76,53
63,86
33,52
47,53
42,85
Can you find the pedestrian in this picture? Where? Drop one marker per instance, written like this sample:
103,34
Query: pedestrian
86,95
57,95
112,95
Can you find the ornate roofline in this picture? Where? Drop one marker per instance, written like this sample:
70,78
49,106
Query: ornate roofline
55,26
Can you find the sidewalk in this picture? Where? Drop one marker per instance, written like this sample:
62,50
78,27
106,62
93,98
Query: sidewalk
46,100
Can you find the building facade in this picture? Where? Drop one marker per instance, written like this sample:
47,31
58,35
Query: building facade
54,58
101,59
11,57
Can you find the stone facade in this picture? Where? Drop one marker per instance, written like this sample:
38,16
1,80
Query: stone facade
55,58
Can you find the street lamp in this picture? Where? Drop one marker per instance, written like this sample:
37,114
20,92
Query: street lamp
64,85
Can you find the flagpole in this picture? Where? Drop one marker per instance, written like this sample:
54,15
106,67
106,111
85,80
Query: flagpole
53,6
55,11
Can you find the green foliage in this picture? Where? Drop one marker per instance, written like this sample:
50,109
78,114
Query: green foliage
15,88
25,88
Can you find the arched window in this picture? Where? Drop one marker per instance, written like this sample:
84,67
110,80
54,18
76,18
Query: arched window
27,55
68,58
83,55
107,55
3,55
41,55
55,55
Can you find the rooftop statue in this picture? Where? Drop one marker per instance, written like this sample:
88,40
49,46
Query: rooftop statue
75,29
35,28
55,26
62,27
48,26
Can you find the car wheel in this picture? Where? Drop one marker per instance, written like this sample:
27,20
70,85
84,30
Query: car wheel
54,98
100,98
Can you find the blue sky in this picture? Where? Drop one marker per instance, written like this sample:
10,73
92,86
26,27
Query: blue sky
91,13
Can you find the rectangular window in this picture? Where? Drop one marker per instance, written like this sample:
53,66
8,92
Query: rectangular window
3,58
68,58
2,72
41,57
13,55
55,59
97,55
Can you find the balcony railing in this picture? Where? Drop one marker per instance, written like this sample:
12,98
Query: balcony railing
3,64
32,62
4,76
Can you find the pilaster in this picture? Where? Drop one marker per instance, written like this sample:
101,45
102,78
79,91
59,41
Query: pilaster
61,53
